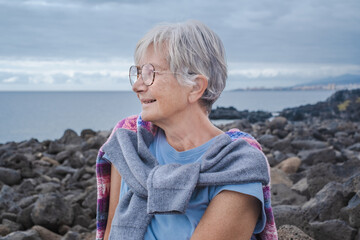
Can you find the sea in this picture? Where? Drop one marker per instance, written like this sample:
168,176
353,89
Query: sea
46,115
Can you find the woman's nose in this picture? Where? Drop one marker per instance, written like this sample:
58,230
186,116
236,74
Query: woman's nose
139,85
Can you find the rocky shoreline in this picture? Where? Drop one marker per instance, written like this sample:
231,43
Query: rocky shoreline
48,189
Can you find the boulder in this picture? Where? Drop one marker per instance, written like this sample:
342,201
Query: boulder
24,217
308,144
55,147
50,160
319,175
352,185
301,187
291,215
267,140
88,235
347,169
290,165
315,156
63,170
278,156
281,133
333,229
71,235
70,137
51,211
87,133
10,216
283,195
23,235
48,187
277,123
326,204
77,160
283,145
63,229
225,113
355,147
9,176
46,233
4,230
63,155
8,198
27,186
94,142
279,177
13,226
27,201
350,155
16,161
90,157
353,210
82,216
286,232
90,200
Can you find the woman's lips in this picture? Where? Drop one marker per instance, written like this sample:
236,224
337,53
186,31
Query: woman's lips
147,101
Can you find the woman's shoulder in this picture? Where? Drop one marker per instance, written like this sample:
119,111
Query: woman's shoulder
133,122
127,123
236,134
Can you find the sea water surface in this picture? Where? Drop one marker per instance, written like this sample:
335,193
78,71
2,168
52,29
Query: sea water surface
46,115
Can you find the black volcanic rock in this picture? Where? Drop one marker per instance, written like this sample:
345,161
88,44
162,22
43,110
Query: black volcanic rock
343,104
233,113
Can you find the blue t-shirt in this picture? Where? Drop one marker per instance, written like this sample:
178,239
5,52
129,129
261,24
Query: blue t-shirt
182,226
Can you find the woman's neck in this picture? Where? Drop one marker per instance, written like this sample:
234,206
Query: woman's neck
191,130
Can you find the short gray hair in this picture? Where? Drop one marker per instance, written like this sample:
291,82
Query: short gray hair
193,49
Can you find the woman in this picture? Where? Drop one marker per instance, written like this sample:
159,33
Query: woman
169,173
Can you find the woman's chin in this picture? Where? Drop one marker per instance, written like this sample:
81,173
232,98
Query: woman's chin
146,117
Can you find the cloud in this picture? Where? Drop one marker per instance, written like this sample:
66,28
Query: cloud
302,70
10,80
81,43
64,74
112,74
278,31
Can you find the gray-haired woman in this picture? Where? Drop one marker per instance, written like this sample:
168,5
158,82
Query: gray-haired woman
169,173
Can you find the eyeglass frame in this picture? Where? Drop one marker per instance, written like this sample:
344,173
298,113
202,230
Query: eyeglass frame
141,68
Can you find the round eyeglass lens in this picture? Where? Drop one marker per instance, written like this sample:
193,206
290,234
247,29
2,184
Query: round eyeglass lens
133,74
147,74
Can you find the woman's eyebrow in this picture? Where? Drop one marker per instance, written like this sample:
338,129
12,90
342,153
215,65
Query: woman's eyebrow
157,66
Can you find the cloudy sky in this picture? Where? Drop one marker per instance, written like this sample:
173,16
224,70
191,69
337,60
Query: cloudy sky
88,44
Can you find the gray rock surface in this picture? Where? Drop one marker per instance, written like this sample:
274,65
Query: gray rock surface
286,232
353,210
51,211
9,176
327,203
333,229
315,156
308,144
23,235
283,195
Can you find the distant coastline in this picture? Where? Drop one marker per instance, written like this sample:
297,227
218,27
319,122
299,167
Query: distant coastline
343,82
327,87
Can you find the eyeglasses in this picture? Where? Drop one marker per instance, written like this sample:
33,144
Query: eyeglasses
147,73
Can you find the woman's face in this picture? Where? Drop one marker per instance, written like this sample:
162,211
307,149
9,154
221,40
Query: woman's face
165,100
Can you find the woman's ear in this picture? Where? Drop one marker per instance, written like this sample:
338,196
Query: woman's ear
198,89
